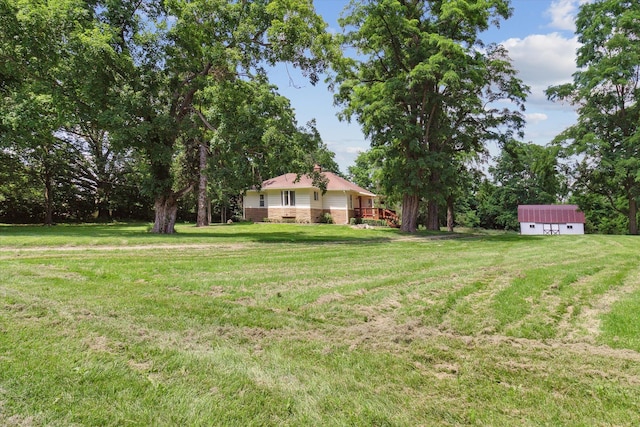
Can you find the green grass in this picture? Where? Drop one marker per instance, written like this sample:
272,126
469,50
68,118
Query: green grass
283,324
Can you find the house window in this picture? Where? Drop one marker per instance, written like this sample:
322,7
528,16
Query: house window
262,200
288,198
315,196
532,226
350,201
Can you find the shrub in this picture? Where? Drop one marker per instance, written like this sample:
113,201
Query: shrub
326,219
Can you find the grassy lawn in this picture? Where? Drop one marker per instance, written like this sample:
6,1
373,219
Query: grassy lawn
273,324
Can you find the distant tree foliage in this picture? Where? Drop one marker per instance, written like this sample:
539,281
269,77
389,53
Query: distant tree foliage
523,174
606,91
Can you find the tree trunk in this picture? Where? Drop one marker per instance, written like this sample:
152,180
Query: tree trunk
432,215
633,215
202,220
410,203
48,199
102,202
450,218
166,207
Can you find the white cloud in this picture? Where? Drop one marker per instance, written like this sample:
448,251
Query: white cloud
543,60
535,118
563,13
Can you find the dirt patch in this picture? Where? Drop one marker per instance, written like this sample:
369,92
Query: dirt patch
328,298
144,366
213,291
98,248
590,317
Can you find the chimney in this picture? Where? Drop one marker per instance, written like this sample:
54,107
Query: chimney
317,168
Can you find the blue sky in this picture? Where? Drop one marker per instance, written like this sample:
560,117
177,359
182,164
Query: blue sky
541,42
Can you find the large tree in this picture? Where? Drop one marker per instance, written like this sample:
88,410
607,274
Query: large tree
178,49
606,91
425,88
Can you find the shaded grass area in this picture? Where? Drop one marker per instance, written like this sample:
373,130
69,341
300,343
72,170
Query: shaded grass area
269,324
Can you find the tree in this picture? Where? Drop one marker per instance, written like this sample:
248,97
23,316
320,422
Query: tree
252,134
606,137
524,173
178,49
365,171
57,75
424,91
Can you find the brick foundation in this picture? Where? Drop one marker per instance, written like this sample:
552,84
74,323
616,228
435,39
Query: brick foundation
256,214
339,216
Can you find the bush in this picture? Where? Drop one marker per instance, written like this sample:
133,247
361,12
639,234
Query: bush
326,219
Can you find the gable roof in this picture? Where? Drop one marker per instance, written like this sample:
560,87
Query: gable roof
335,183
550,214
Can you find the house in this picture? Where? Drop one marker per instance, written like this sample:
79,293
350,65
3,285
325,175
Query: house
550,219
286,198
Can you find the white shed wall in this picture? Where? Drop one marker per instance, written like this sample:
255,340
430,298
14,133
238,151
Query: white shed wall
572,228
531,228
534,228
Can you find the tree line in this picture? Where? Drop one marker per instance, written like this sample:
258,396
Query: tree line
147,108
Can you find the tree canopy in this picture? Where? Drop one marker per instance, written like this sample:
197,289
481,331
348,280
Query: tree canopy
606,91
140,77
425,88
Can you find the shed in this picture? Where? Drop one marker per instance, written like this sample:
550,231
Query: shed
550,219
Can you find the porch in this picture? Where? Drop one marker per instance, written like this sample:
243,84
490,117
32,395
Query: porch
377,214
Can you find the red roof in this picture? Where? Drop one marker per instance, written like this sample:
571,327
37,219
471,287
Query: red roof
550,214
335,182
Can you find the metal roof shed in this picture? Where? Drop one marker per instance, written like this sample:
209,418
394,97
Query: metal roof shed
550,219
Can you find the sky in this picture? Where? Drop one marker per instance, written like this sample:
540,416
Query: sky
541,43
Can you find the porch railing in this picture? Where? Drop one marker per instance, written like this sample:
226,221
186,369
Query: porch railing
374,213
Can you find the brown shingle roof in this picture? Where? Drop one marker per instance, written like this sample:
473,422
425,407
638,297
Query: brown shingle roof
335,183
550,214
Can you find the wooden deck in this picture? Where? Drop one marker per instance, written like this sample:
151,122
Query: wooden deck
378,214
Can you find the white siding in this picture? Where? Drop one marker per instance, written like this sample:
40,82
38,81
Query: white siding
251,200
572,228
534,228
334,200
273,199
316,204
303,198
530,228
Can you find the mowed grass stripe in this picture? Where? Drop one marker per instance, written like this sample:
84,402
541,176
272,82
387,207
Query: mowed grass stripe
346,327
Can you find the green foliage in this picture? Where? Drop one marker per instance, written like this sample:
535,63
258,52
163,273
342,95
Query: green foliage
605,90
118,81
421,89
366,170
326,218
20,198
523,174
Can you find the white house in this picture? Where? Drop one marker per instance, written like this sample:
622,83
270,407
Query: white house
550,219
287,198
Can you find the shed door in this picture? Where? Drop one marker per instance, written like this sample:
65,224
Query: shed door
550,229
